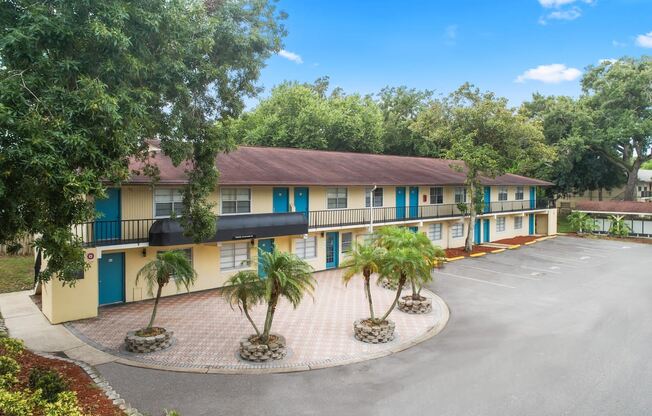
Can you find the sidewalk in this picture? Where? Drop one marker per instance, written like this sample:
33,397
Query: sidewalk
25,321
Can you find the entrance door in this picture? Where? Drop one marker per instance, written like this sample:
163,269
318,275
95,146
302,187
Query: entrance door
487,199
533,197
414,201
400,203
281,200
531,224
301,200
107,226
485,235
332,250
476,232
111,278
264,246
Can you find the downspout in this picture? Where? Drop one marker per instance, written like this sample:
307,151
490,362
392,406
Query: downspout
371,210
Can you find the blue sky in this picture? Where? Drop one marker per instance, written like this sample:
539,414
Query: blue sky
511,47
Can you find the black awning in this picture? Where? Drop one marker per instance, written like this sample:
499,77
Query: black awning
169,232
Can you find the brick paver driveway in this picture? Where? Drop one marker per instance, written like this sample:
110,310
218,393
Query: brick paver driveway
208,331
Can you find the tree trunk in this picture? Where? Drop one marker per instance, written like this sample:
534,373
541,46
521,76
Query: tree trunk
401,282
600,194
468,246
158,296
632,181
367,289
246,312
269,317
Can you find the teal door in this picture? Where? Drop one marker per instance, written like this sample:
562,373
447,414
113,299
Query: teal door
487,199
485,235
533,197
531,224
301,200
107,225
281,200
264,246
111,278
332,250
414,201
476,231
400,202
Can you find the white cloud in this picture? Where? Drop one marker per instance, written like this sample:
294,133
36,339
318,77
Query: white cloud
450,35
563,11
644,41
618,44
290,56
559,3
550,74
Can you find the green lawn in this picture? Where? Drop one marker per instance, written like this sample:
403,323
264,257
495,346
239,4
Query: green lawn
562,224
16,273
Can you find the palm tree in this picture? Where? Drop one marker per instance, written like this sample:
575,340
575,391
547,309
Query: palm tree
168,265
365,259
286,276
392,238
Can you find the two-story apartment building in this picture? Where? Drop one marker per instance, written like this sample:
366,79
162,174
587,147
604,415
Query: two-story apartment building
312,203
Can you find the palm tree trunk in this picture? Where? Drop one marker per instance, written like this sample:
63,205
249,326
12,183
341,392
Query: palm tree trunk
269,317
415,293
251,321
367,289
401,282
158,296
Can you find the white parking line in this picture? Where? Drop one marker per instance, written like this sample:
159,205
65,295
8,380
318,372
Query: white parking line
539,269
498,272
476,280
557,259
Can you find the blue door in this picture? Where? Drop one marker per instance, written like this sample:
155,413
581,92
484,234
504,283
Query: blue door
476,232
414,201
487,199
301,200
332,250
485,235
265,246
533,197
531,225
400,202
111,278
107,225
281,200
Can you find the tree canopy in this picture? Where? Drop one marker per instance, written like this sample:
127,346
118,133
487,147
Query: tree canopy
83,85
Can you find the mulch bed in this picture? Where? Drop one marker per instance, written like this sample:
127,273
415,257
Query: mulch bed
459,251
91,398
517,240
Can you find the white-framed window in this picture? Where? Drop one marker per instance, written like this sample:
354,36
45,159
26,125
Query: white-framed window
436,195
366,238
347,240
434,231
378,197
460,194
234,256
336,198
236,200
167,201
500,224
520,194
502,193
306,248
457,230
518,223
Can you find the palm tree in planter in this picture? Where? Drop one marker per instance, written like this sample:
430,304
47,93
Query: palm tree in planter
286,276
169,265
364,259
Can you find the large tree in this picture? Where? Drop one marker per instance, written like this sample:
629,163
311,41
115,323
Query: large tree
620,96
83,85
567,125
305,116
489,137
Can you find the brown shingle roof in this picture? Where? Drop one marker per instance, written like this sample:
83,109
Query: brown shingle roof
250,165
615,206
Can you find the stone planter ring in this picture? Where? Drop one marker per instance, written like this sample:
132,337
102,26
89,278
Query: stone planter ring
141,345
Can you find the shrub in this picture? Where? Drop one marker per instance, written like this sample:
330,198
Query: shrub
18,403
9,370
48,381
12,347
581,222
65,405
618,227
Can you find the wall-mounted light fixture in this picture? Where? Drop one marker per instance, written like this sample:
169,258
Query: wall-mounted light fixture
305,236
252,242
322,234
144,252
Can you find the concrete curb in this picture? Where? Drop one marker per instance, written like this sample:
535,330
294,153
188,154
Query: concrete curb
455,258
514,247
500,250
431,332
477,254
527,243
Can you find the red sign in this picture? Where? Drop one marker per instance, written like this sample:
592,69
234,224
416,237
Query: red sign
90,256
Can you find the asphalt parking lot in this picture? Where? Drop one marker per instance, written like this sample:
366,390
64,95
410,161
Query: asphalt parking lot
561,327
